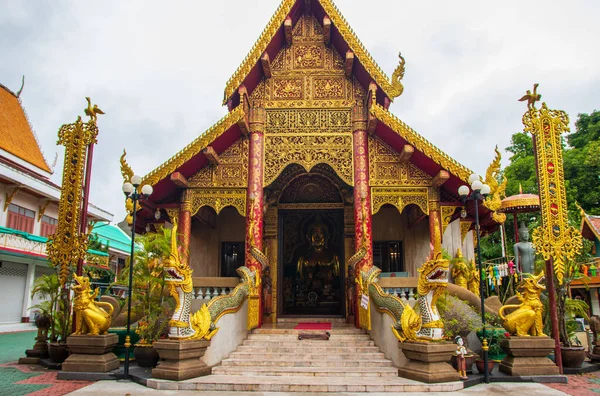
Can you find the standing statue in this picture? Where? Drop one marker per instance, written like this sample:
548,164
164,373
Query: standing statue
474,278
460,270
524,252
267,289
461,361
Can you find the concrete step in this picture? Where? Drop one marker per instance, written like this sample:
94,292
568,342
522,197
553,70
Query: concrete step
289,337
308,363
314,320
307,354
291,343
233,383
333,331
307,371
302,349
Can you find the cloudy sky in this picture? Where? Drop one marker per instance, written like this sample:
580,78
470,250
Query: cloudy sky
158,69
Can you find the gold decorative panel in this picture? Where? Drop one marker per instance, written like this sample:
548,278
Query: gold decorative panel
232,170
447,213
308,56
465,226
308,121
386,169
400,197
287,88
329,88
308,73
308,151
218,198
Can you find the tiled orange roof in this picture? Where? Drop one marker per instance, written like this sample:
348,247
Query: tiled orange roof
16,134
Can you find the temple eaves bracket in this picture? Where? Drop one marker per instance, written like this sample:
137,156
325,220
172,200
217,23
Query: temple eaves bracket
9,197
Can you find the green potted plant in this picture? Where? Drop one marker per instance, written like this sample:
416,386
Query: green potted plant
573,353
149,302
57,307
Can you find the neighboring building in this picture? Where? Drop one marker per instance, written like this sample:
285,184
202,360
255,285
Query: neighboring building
118,242
308,166
28,211
589,290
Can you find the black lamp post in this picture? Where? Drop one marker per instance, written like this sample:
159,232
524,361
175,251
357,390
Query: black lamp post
476,193
131,191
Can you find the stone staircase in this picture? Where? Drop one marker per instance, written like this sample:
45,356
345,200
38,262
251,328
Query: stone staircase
272,359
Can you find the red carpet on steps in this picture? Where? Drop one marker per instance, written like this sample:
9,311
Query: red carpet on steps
313,326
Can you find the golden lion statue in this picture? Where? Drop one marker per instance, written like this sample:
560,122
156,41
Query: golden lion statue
91,317
527,319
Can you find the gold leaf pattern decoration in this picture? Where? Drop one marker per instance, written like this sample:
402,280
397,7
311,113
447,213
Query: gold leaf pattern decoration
554,239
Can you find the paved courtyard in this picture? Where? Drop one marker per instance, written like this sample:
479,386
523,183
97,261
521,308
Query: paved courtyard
16,380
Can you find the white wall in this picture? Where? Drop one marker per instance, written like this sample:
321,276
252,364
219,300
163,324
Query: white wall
381,333
452,241
232,331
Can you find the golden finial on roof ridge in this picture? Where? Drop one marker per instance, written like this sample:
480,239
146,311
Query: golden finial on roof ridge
520,188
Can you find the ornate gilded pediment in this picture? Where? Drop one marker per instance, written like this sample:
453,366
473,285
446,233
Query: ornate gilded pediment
387,169
232,170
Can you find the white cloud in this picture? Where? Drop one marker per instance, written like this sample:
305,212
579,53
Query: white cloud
158,69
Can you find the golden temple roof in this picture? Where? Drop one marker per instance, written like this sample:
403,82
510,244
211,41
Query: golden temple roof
17,136
338,21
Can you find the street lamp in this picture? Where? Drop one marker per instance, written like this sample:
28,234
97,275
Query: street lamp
478,192
131,191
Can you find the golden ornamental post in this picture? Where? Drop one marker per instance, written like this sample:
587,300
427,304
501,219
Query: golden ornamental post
68,244
555,240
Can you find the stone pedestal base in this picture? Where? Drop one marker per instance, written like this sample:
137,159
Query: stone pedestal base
428,362
528,356
39,351
595,355
91,354
180,360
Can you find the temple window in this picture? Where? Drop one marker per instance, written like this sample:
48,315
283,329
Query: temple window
232,257
48,226
20,218
388,255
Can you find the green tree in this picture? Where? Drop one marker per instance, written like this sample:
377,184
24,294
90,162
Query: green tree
582,164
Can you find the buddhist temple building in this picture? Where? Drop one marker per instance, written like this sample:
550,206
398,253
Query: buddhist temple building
308,167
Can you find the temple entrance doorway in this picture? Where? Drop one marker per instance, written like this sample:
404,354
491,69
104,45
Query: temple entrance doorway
311,264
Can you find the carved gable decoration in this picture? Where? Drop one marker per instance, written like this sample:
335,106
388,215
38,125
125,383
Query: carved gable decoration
308,102
386,168
232,170
308,73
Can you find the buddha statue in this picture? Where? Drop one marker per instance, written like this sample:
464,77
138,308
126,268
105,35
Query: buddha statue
319,268
524,252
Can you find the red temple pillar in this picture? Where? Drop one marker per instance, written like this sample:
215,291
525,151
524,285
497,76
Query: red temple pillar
255,203
362,194
184,228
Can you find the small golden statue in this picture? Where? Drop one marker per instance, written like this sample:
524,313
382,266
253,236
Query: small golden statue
531,98
92,111
473,284
460,270
527,319
91,317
